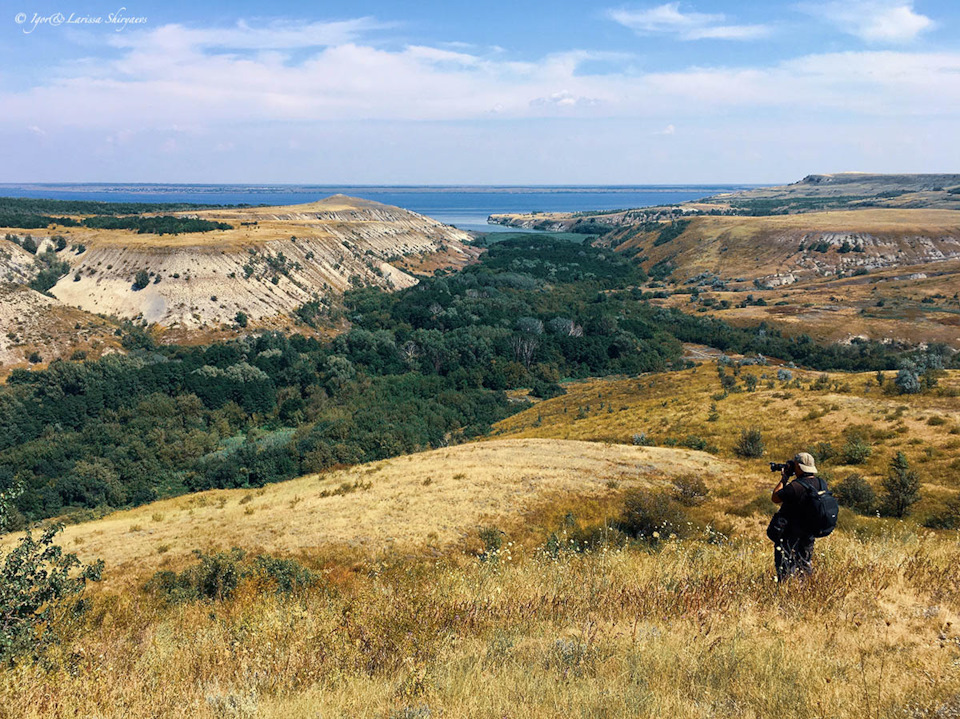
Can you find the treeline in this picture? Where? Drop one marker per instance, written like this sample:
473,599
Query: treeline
37,206
28,213
161,225
859,356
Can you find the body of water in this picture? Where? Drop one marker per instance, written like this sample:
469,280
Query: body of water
464,207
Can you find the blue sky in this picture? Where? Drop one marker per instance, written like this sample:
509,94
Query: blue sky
477,93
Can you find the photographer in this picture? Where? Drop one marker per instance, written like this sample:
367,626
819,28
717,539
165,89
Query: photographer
807,511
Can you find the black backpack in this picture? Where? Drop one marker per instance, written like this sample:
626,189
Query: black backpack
819,509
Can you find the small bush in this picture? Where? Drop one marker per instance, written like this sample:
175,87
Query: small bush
492,539
901,488
854,492
641,440
949,518
547,390
856,451
822,452
217,576
40,588
690,490
750,445
141,280
652,516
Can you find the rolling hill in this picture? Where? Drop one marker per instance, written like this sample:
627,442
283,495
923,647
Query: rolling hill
477,581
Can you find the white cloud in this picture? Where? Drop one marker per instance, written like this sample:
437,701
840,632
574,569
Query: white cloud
670,19
270,35
877,21
668,130
564,99
172,75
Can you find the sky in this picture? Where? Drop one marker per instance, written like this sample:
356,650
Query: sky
495,92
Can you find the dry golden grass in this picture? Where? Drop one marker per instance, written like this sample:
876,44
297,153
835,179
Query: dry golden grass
692,629
408,622
432,499
674,406
835,309
878,220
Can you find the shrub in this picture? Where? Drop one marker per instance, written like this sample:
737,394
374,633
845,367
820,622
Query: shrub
784,375
901,487
652,516
692,441
141,280
690,490
907,381
750,445
949,518
492,539
856,451
216,576
822,452
856,493
241,319
640,439
547,390
39,590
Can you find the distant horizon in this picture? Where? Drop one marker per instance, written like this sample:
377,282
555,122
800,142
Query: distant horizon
399,186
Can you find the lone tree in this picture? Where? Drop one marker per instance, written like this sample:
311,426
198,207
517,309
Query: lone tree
901,486
241,319
141,280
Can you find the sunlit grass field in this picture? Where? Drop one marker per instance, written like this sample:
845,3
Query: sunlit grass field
686,629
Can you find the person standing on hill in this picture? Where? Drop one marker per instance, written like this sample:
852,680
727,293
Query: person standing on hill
807,511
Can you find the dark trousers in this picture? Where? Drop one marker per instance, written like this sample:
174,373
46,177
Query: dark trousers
792,554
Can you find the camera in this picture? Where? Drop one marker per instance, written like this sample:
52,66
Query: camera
777,467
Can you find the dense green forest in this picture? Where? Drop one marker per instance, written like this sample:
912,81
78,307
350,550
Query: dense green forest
420,368
32,206
28,213
161,225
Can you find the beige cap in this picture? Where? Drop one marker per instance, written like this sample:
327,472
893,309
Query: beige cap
806,463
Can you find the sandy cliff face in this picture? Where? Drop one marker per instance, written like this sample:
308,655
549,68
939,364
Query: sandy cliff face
31,322
272,261
16,264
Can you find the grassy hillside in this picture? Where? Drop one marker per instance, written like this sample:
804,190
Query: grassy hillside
494,578
436,499
600,553
517,625
688,409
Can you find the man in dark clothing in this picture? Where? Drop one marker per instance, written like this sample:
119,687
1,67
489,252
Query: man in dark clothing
794,552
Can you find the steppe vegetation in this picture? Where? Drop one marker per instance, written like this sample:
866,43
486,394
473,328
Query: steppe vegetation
566,607
512,492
